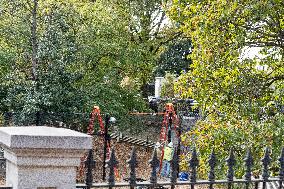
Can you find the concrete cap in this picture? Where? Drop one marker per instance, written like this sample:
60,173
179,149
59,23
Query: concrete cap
44,137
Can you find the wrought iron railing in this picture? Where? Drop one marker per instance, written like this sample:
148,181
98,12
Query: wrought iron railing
132,140
265,181
248,181
2,163
2,167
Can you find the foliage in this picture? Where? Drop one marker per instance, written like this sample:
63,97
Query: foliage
220,32
240,135
1,120
232,88
167,90
149,26
59,58
175,59
83,51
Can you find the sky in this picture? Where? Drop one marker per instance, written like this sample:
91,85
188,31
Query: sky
251,52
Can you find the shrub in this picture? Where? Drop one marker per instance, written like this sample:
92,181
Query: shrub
240,135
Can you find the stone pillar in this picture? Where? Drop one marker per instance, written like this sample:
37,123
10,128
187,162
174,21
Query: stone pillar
42,157
158,85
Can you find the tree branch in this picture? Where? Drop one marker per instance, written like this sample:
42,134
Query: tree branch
176,35
158,25
272,80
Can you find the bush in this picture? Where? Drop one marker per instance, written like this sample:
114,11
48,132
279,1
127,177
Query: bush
240,135
1,120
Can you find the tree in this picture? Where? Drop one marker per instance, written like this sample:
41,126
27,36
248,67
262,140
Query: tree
59,58
175,59
168,86
81,53
233,93
220,32
150,27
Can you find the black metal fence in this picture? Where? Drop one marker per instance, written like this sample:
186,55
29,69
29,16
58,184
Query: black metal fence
119,137
3,168
265,181
2,163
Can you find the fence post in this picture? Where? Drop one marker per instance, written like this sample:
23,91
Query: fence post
89,164
37,118
154,162
265,162
106,141
231,162
112,164
193,163
133,165
174,172
212,163
42,157
248,163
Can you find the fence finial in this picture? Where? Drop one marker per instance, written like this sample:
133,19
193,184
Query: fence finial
111,164
231,162
281,160
174,168
89,164
193,163
265,162
212,163
248,163
133,163
154,162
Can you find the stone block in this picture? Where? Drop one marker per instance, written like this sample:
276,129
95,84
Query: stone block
42,157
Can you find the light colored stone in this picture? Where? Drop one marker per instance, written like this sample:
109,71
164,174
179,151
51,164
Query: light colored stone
43,137
158,85
42,157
